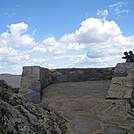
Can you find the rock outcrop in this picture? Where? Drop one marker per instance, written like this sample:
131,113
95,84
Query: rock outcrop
18,116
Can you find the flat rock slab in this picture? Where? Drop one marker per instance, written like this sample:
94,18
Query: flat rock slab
80,115
115,130
85,126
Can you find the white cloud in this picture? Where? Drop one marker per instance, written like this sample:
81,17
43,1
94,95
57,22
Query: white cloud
15,36
103,13
97,43
53,46
75,46
103,40
93,30
119,8
119,4
38,49
119,12
17,29
12,60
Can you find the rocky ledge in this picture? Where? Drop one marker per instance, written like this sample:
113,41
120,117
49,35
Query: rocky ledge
18,116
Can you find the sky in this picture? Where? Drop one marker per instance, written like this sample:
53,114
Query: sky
64,33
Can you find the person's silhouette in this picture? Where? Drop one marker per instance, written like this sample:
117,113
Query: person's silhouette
131,56
127,57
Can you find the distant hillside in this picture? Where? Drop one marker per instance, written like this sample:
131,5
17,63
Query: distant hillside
13,80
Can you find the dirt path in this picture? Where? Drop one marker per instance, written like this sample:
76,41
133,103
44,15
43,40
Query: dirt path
84,105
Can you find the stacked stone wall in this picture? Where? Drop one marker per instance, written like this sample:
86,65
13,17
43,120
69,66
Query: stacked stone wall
81,74
122,84
121,91
45,77
35,79
122,87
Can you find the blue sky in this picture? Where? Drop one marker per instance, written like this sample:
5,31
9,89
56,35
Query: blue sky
64,33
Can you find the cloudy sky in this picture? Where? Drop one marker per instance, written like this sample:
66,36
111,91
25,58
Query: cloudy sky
64,33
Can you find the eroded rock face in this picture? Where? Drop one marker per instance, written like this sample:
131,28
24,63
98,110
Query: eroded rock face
18,116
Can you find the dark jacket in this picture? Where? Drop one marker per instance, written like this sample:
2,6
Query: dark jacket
127,58
132,58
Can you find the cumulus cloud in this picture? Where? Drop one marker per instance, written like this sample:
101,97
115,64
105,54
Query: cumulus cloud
15,36
97,43
103,41
92,31
53,46
17,29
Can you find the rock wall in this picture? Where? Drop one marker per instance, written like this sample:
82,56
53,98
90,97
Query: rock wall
35,78
81,74
122,84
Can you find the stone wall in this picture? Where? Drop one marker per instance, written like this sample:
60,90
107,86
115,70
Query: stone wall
81,74
35,79
122,84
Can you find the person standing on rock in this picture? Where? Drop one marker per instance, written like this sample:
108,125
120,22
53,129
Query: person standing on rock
127,57
131,56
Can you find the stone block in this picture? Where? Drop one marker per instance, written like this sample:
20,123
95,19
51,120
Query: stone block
34,79
62,78
121,70
85,126
121,87
115,130
26,71
128,94
131,65
113,94
29,83
35,85
35,70
34,97
45,77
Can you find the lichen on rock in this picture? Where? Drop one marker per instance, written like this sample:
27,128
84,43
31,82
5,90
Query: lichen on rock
18,116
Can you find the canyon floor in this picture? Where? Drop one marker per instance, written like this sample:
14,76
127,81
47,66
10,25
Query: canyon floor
86,110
